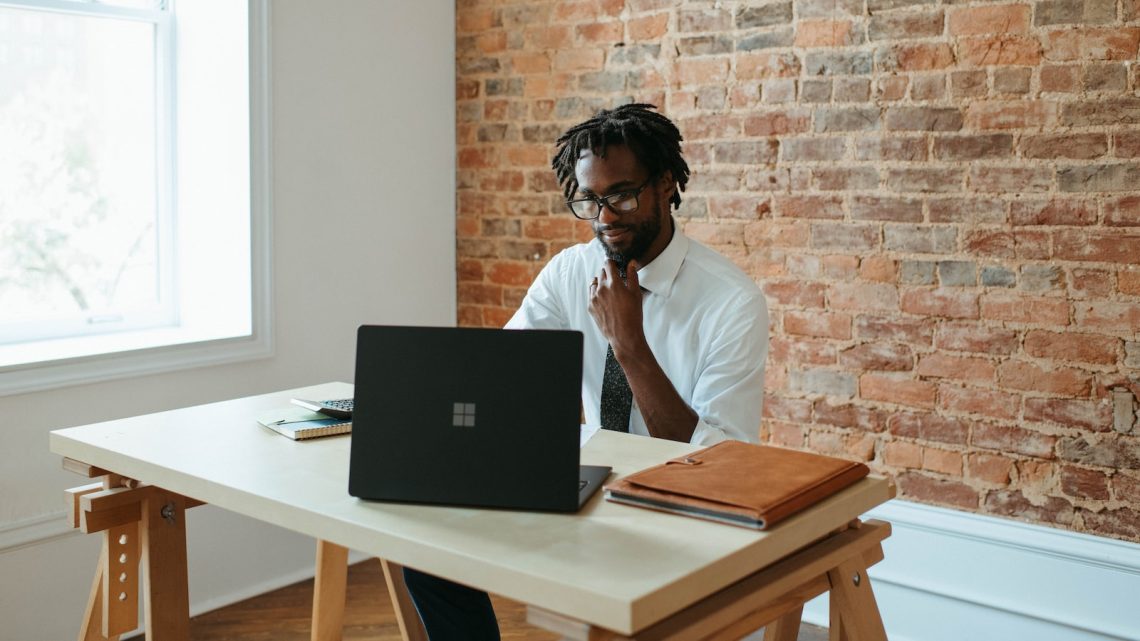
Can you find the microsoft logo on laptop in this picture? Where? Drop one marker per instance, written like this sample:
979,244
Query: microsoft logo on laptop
463,415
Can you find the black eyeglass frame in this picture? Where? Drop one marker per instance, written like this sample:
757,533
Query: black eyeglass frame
607,201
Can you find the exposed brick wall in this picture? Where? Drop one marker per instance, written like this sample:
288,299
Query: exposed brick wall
940,199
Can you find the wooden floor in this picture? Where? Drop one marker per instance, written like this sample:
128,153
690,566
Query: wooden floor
284,615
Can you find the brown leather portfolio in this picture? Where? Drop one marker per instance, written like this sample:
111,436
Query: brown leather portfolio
738,483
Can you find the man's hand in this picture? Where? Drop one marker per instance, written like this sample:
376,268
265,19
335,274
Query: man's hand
615,305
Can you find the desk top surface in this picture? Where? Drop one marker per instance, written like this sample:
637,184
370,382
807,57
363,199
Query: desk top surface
615,566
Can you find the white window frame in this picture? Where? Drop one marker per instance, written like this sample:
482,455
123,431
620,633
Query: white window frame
120,355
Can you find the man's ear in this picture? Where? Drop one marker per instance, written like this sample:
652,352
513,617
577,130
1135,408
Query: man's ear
670,185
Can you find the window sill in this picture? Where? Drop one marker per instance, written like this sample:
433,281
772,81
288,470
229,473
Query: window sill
152,352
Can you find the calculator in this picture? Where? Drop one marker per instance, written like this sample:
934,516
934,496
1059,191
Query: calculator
338,408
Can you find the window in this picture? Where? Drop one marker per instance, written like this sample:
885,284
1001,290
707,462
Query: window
133,186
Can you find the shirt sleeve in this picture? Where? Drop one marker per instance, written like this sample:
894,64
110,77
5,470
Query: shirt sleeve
729,394
541,307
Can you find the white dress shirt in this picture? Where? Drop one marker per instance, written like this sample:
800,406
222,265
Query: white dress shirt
704,319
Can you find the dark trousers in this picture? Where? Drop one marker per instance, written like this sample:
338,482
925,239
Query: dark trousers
451,611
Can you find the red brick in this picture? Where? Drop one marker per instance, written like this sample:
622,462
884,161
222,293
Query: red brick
1023,309
1071,146
700,71
469,316
786,434
477,158
902,454
844,236
751,206
778,233
1011,179
937,365
1085,348
999,50
989,468
1109,316
1102,248
1014,440
929,427
583,11
1002,18
945,303
942,461
1123,212
885,270
913,331
578,59
974,400
715,233
839,267
1053,212
1021,114
795,293
476,20
1084,483
1085,415
972,337
1126,488
825,442
825,33
882,208
1060,78
1014,504
863,297
877,356
822,324
917,57
1025,376
776,123
893,389
1080,43
809,207
1094,283
1128,281
801,351
1127,144
850,416
479,294
925,489
787,409
469,270
510,273
754,66
650,27
606,32
497,316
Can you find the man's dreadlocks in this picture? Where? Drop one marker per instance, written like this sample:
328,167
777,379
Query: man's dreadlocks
654,140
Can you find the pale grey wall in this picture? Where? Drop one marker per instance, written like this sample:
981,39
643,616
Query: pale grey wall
363,216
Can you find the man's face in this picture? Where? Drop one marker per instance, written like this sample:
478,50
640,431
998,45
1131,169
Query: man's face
639,235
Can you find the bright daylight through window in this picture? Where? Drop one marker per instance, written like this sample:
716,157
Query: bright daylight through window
126,207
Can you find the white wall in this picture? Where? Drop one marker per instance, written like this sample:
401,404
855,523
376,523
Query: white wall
363,231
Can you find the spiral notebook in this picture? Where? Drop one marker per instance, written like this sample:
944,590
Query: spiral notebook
298,423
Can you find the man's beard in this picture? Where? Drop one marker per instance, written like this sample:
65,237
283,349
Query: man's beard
644,234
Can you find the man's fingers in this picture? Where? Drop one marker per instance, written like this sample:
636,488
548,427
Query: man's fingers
631,275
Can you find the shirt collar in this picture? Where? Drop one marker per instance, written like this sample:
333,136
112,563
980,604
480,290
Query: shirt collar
658,276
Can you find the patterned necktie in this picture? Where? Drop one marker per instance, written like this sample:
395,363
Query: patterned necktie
617,398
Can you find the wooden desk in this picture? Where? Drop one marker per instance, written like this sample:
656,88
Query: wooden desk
608,570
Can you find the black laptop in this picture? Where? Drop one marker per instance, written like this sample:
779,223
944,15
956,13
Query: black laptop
465,416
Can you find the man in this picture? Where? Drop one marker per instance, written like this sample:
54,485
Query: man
676,336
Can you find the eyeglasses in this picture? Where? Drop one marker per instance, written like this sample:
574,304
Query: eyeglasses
622,202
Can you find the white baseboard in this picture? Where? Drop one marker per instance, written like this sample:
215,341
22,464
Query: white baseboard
951,575
34,531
